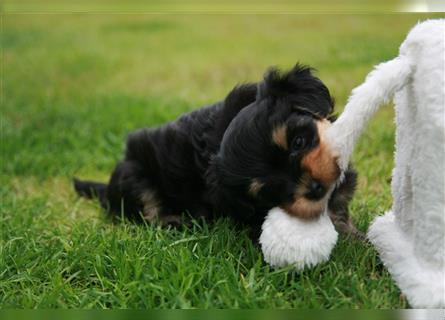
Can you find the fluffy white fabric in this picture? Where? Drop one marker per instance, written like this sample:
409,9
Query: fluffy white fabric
411,237
379,87
422,283
287,240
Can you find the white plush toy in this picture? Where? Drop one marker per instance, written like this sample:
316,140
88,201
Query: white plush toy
411,237
288,240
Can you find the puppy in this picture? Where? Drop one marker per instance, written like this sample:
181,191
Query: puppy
261,147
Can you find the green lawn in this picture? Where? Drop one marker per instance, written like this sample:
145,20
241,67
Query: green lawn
73,86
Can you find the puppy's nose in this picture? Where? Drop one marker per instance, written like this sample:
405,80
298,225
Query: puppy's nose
316,190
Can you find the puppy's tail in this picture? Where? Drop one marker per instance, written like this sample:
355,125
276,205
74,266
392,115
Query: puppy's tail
91,190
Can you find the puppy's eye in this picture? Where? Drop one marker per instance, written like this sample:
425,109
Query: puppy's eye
298,143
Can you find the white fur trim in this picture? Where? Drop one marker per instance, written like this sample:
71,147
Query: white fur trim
379,87
287,240
423,284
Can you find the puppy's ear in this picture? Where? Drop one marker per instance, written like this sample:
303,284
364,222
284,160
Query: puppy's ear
234,205
223,195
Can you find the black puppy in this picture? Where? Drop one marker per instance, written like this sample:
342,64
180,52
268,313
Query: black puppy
262,147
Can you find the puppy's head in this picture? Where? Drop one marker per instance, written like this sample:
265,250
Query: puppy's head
274,152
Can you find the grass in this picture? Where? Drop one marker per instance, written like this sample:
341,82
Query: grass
73,86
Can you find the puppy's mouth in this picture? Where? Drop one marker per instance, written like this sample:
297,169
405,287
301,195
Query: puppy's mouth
310,200
316,191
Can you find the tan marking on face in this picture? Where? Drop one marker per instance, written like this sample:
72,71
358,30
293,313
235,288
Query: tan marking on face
279,136
255,187
152,206
321,162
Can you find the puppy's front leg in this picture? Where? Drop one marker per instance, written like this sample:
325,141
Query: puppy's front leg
338,206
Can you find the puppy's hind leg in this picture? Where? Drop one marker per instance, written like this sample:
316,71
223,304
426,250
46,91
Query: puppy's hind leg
129,193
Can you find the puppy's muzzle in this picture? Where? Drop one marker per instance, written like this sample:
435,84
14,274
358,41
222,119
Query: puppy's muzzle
316,190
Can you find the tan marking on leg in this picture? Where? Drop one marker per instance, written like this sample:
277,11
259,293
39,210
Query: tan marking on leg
279,136
152,205
171,220
255,187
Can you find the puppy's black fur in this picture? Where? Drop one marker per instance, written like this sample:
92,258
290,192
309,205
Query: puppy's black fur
261,147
